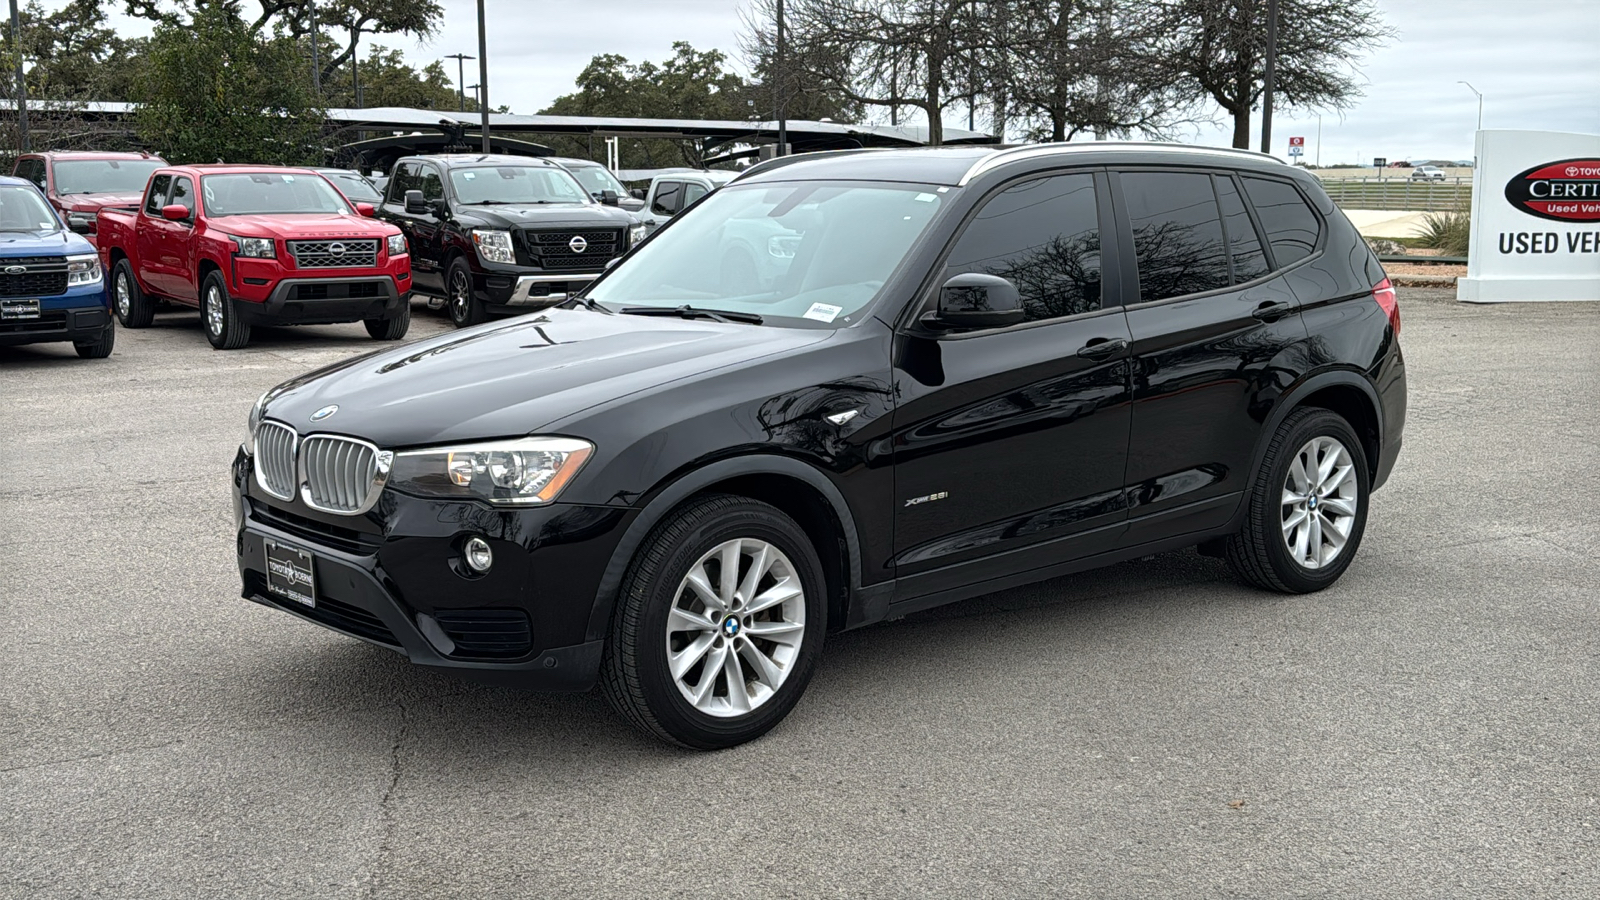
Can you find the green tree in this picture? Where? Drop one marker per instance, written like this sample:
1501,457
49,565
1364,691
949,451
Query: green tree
215,90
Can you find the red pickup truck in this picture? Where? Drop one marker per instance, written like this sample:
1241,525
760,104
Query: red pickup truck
255,245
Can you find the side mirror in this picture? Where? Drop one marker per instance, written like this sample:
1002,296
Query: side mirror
637,193
977,300
415,205
610,198
174,212
439,208
366,209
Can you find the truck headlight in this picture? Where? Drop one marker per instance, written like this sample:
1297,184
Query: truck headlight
494,246
83,269
636,234
260,248
397,245
524,472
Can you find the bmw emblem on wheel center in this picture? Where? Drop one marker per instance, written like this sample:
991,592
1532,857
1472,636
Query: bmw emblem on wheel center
730,626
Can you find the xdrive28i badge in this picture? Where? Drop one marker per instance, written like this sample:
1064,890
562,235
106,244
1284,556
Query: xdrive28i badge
324,412
1566,191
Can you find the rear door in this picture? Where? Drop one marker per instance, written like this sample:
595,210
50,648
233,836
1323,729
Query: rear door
1211,327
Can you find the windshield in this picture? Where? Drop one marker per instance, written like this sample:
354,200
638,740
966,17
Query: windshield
104,176
597,179
270,193
23,209
516,184
808,252
358,189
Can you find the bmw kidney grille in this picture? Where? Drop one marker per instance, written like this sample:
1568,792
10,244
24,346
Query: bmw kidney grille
334,474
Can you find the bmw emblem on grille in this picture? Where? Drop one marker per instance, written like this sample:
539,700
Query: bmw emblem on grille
336,249
16,270
324,412
578,244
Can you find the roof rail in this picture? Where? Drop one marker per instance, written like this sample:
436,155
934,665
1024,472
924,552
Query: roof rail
778,162
1000,157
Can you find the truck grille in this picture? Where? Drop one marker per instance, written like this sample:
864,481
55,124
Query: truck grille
334,474
553,249
334,254
44,276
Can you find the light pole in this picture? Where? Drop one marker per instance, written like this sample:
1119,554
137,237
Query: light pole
316,59
22,81
777,88
461,79
483,78
1266,87
1480,103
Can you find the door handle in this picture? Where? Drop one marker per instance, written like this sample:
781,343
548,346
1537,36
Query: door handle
1100,348
1268,312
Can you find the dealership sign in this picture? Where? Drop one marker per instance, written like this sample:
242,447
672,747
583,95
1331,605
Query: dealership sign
1535,218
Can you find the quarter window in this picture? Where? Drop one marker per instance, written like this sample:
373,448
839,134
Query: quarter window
1249,263
668,193
158,194
1042,235
1291,226
1177,233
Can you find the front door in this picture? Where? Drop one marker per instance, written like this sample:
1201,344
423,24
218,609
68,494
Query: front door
1010,443
176,245
422,230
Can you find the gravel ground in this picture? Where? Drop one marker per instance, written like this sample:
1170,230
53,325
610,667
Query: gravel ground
1426,728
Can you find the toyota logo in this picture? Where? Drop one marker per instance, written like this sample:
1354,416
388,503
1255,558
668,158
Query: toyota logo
578,244
16,270
336,248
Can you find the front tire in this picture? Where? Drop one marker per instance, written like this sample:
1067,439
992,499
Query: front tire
224,329
1308,507
390,329
100,348
464,308
719,625
133,307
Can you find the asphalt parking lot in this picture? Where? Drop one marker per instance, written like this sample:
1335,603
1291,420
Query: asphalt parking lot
1429,727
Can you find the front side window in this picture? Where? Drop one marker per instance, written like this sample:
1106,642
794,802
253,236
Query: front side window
1043,236
1291,226
432,184
516,185
406,178
270,193
668,193
104,176
157,197
183,194
1177,233
808,254
23,209
33,170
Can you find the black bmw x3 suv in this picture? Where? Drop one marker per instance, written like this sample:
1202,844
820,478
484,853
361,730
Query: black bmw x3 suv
953,371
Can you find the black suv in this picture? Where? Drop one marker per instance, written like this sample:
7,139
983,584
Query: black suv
493,235
955,371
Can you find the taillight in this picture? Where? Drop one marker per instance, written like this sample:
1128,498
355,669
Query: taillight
1383,292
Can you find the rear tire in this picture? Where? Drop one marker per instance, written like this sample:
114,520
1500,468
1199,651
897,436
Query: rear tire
223,327
133,307
99,348
464,308
1308,506
390,329
742,662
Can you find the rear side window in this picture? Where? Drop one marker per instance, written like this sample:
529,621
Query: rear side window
1291,226
157,195
1177,233
1043,236
1249,263
692,192
667,196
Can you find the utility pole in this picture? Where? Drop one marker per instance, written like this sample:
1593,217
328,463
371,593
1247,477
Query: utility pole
1319,142
355,70
316,57
483,77
777,89
1266,91
461,79
22,81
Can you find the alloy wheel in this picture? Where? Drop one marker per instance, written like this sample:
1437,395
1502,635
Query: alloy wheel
214,310
460,295
1320,502
735,628
124,301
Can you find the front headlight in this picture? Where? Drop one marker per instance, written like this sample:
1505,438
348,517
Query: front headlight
397,245
259,248
254,421
524,472
83,269
494,246
636,234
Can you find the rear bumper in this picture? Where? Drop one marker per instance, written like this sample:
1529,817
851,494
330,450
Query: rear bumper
323,301
82,314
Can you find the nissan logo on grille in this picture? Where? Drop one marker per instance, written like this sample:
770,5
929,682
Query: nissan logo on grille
336,248
16,270
578,244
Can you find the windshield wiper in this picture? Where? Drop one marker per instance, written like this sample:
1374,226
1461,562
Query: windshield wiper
693,312
586,303
507,202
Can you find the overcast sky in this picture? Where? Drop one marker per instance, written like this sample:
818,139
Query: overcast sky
1536,62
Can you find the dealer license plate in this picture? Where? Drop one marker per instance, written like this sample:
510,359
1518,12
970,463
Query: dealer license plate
19,309
290,574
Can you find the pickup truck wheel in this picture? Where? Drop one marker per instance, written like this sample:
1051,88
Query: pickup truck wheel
390,329
465,310
99,348
224,329
133,308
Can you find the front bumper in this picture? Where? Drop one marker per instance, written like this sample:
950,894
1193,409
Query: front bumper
509,290
81,314
392,576
325,301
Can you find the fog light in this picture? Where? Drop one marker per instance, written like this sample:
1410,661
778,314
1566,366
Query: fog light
477,555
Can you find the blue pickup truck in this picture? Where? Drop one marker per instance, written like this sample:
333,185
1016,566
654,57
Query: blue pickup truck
51,286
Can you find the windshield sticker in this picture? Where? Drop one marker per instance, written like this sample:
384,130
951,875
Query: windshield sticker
823,312
469,175
927,198
288,179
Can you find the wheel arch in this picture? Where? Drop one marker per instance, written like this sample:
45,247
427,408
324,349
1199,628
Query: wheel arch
1346,393
797,489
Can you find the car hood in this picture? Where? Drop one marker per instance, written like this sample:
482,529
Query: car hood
42,243
302,225
514,377
95,202
545,215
